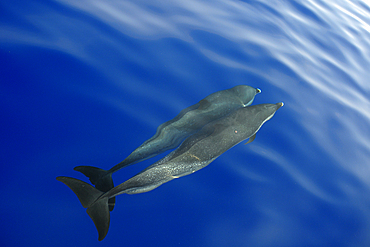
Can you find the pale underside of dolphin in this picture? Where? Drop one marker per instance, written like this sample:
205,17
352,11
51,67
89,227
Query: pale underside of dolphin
195,153
170,134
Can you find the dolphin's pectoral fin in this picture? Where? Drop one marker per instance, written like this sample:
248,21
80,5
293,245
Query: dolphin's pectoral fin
251,139
203,104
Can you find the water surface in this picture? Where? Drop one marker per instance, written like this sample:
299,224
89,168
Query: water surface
86,82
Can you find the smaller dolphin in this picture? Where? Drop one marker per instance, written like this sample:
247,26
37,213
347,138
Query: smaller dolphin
170,134
195,153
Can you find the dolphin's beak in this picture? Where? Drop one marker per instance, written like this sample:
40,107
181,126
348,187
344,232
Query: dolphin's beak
280,104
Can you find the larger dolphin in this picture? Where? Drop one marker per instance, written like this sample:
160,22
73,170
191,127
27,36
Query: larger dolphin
170,134
195,153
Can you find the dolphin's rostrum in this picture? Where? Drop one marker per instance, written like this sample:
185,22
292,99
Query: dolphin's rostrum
170,134
196,152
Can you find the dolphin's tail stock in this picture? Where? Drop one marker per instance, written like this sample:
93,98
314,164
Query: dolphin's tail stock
102,180
90,198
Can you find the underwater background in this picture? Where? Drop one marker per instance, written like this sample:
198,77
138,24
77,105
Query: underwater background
86,82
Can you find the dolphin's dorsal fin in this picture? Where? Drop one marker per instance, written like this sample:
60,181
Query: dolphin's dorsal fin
251,139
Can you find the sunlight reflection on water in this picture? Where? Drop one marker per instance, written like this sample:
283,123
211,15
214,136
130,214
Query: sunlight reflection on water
164,56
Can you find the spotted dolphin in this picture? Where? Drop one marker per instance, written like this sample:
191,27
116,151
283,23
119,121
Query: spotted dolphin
170,134
195,153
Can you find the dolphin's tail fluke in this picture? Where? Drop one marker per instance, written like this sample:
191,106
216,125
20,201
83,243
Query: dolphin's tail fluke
97,208
102,180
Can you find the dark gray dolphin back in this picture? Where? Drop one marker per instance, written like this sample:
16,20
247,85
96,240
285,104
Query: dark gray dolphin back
170,134
215,106
245,93
200,149
196,152
249,120
219,136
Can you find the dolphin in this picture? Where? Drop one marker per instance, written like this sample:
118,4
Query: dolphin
195,153
170,134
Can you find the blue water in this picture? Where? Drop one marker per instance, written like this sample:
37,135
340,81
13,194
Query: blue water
86,82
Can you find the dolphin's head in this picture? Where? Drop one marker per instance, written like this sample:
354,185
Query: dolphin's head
246,93
251,118
267,111
280,104
245,122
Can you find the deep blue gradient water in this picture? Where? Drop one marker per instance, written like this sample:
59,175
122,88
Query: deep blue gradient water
86,82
